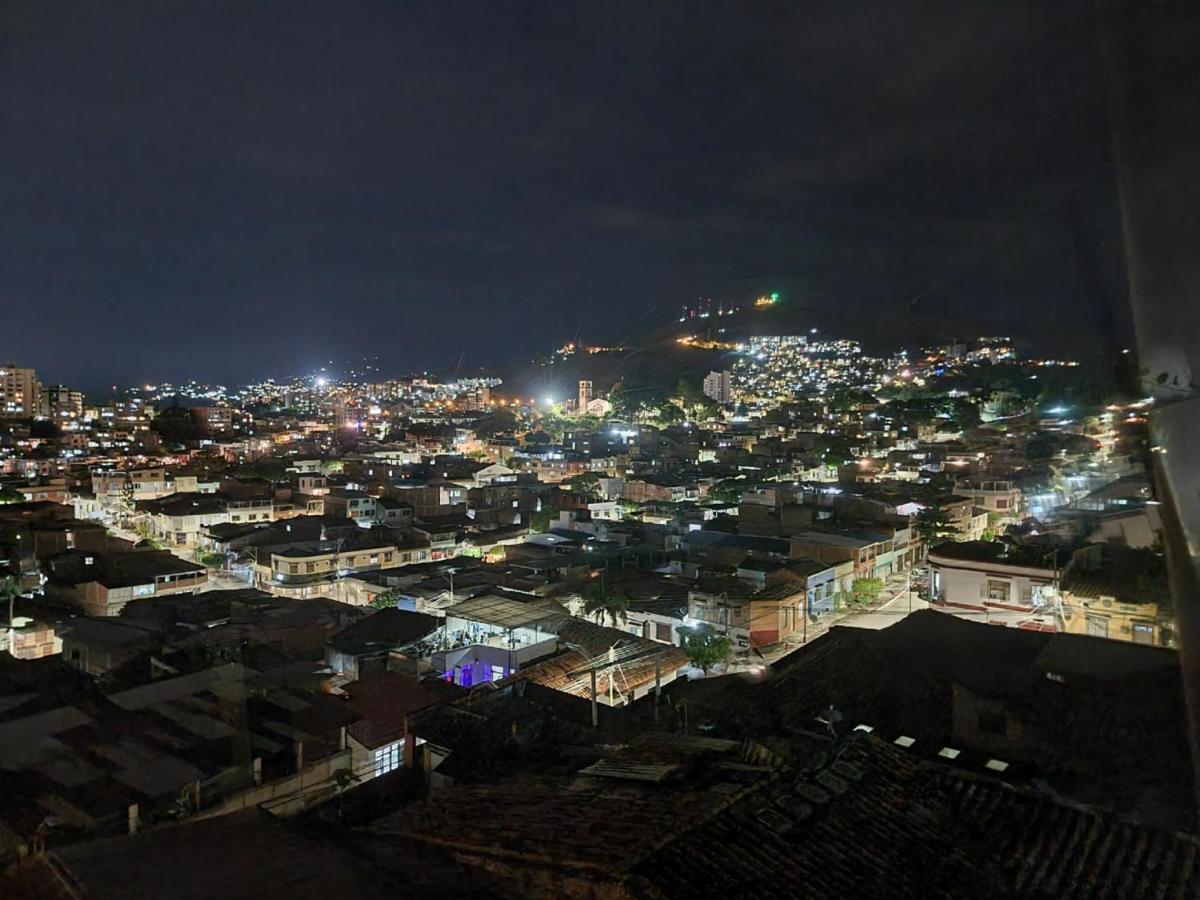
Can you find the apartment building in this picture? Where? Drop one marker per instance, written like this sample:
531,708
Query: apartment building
19,392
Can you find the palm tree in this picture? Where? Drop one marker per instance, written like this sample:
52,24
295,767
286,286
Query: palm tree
342,779
602,604
10,590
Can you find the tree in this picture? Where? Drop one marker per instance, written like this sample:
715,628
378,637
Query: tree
584,482
834,450
45,429
632,402
934,524
10,590
176,425
9,495
342,779
601,603
146,533
703,409
727,491
689,391
211,560
865,590
386,600
502,420
668,414
704,647
540,521
128,495
964,413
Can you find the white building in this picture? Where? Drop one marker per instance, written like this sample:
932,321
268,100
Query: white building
718,386
994,582
994,495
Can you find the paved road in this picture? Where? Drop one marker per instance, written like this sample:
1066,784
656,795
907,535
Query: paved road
890,613
902,602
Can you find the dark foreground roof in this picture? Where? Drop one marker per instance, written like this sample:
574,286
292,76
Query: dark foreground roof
868,820
1101,721
248,855
879,822
245,855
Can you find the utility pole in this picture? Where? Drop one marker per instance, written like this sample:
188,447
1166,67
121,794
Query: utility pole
595,709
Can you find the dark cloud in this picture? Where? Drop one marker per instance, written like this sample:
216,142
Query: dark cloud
233,189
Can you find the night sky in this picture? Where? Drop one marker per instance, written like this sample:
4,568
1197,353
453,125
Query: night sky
236,190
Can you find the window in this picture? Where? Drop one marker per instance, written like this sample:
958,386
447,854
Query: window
1097,627
387,758
1143,634
293,568
1001,503
310,567
997,590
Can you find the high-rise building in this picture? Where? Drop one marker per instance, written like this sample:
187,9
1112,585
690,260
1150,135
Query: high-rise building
19,391
585,394
61,403
718,386
478,398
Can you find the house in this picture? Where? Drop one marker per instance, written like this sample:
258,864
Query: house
492,473
393,513
999,497
201,744
178,519
102,583
626,667
367,645
996,582
224,624
114,486
1140,527
1030,699
97,646
309,568
383,702
1119,593
751,617
873,555
492,635
344,503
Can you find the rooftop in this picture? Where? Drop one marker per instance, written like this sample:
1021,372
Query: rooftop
508,612
998,552
384,630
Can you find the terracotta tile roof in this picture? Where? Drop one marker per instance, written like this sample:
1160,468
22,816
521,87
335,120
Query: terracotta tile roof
1089,736
879,822
870,821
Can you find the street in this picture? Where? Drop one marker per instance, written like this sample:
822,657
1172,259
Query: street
903,601
888,614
